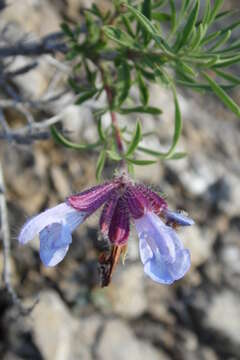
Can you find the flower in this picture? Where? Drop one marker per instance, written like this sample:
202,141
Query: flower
161,250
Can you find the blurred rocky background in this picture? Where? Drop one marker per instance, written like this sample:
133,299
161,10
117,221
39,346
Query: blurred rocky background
198,318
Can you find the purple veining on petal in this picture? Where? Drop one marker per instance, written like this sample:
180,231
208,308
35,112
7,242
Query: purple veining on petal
90,200
162,253
119,226
178,218
136,203
158,204
107,213
54,243
60,213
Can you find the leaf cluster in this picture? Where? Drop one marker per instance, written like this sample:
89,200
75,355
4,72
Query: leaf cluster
142,42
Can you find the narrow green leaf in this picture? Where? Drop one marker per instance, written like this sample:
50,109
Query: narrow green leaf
143,89
100,130
159,4
143,20
223,96
141,109
124,83
85,96
177,156
200,32
187,69
173,15
147,8
176,135
177,124
234,46
100,164
207,39
226,13
67,30
141,162
188,28
135,140
160,16
148,26
230,77
207,13
60,139
229,61
221,41
127,25
217,5
199,86
152,152
119,36
221,32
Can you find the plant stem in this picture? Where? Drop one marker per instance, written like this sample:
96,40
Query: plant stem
114,121
115,126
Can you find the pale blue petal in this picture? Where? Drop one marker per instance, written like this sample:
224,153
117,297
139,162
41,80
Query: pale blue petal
178,217
54,243
60,213
146,253
151,228
161,250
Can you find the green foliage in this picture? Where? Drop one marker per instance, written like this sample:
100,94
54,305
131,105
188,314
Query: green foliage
127,47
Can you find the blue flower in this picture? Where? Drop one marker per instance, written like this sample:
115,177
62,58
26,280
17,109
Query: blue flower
55,227
161,250
162,253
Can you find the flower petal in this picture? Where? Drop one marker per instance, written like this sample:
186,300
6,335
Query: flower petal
162,253
119,226
60,213
178,218
107,213
90,200
54,243
156,202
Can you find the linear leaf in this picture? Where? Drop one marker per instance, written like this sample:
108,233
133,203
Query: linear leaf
85,96
217,5
223,96
188,28
135,140
60,139
141,162
100,130
177,156
147,8
160,16
100,164
232,78
143,89
229,61
173,15
124,83
119,36
221,41
141,109
177,125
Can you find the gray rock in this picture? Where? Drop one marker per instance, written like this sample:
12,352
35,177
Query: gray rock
119,343
159,299
199,242
223,315
55,331
127,293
